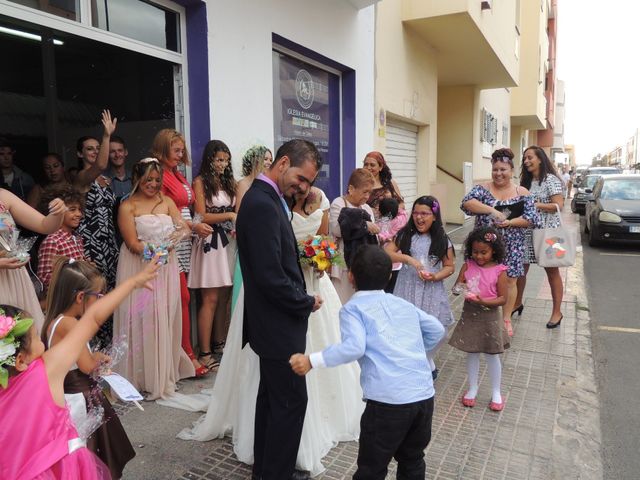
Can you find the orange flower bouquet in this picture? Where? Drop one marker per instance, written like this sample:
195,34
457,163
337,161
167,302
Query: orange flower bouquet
319,252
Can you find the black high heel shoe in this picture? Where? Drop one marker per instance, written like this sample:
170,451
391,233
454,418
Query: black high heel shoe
550,324
519,310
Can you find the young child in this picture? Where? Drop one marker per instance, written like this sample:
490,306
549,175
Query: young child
427,254
389,337
392,219
75,286
64,241
481,329
37,436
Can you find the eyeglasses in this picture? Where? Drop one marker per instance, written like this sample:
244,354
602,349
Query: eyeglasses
421,214
98,295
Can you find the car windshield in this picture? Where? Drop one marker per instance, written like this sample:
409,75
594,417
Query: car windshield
590,181
622,189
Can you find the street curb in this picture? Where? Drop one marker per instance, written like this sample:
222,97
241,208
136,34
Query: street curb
577,436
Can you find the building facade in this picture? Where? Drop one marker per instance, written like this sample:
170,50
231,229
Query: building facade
245,72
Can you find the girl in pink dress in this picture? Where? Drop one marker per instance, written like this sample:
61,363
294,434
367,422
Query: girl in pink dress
483,279
38,438
213,257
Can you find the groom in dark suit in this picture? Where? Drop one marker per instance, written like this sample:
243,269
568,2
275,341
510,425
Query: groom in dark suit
276,305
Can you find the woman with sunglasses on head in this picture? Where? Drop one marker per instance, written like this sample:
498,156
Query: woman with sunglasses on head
546,187
509,208
384,185
150,321
97,228
75,286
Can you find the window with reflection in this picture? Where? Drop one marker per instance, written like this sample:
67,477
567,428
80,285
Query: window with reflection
140,20
63,8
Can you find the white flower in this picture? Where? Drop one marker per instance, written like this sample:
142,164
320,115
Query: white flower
7,350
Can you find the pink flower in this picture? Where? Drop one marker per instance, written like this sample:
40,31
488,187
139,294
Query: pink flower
6,324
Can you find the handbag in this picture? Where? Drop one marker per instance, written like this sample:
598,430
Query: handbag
555,247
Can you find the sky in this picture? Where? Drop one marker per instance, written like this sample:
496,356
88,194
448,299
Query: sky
598,57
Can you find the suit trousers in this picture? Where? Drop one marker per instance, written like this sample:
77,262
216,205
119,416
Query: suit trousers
280,411
394,431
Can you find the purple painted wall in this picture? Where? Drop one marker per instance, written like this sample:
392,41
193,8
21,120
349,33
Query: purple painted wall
198,73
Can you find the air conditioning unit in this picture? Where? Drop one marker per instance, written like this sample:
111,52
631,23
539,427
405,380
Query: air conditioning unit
485,5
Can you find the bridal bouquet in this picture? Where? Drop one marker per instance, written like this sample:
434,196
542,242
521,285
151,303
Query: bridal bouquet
319,252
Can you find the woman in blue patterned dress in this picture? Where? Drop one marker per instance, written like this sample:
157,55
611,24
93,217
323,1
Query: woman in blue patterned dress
510,208
540,177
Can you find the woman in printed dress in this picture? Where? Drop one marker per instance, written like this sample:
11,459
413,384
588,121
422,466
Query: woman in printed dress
384,186
540,177
170,148
97,228
510,208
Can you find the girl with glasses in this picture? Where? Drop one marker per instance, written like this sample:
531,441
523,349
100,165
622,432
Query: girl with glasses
75,286
427,258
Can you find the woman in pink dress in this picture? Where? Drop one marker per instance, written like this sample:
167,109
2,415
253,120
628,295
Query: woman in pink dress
37,436
213,258
170,148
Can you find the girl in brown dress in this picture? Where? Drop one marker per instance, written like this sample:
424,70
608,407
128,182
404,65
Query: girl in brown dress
483,279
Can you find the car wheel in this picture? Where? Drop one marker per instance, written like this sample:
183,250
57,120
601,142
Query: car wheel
586,226
594,237
573,208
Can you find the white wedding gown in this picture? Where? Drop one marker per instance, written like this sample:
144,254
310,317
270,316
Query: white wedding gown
335,397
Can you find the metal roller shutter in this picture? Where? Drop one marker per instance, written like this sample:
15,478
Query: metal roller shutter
402,157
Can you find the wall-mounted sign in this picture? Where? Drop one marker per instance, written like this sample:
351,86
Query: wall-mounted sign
306,105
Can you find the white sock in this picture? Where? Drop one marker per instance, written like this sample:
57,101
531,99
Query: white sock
473,367
495,374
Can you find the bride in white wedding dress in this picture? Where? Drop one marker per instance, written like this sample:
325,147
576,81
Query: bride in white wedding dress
335,397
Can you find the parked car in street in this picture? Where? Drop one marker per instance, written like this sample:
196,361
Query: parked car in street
601,171
579,174
613,212
580,198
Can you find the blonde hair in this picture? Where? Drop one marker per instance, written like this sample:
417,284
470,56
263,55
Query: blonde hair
161,147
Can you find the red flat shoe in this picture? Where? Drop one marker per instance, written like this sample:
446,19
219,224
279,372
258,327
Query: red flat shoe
496,407
201,371
469,402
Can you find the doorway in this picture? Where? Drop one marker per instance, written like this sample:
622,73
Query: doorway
55,84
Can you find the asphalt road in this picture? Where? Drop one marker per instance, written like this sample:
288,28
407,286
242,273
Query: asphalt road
612,276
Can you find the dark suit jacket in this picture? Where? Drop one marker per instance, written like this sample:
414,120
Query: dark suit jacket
276,305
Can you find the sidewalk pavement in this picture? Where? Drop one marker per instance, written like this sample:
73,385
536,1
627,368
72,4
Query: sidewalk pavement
549,429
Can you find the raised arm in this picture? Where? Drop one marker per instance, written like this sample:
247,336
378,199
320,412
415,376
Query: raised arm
30,218
88,175
59,359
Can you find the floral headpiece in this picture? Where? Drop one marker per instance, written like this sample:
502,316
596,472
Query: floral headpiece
11,328
435,206
149,160
490,237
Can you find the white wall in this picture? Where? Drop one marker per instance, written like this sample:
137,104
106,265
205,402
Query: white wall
240,62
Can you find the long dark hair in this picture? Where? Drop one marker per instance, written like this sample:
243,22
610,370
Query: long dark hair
385,171
439,239
546,167
69,278
491,237
80,146
210,180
